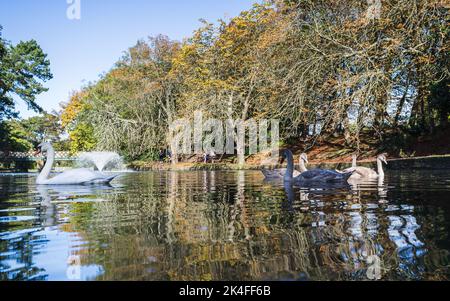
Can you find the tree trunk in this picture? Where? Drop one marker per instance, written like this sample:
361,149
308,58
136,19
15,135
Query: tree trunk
422,111
400,106
413,119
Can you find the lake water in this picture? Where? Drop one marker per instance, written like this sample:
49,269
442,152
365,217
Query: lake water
225,225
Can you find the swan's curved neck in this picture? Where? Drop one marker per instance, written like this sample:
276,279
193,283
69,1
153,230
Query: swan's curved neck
380,168
302,165
290,167
45,172
354,161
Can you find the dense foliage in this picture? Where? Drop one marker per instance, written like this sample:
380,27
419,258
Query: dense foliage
23,68
25,134
322,67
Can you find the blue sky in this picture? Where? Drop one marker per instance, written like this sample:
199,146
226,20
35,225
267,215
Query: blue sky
80,50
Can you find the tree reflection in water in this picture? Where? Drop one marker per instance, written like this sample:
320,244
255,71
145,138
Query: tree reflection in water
218,225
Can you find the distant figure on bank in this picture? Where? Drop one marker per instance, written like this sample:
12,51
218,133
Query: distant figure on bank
209,156
164,155
212,156
161,155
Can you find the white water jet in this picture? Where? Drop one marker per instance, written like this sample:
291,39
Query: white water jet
101,160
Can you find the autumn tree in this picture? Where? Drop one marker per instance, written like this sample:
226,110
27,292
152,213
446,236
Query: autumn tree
130,108
322,68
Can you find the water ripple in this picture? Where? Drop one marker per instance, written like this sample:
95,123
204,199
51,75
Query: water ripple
228,225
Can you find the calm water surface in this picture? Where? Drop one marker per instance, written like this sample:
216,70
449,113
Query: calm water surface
222,225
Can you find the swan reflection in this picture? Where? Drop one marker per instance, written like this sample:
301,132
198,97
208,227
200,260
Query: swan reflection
51,195
363,226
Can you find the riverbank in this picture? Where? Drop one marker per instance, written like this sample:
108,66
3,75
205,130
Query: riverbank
416,152
186,166
423,162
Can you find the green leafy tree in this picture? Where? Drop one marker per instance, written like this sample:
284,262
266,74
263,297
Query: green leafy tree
24,135
43,127
82,138
23,69
14,137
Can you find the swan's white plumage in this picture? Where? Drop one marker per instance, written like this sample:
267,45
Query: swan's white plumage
69,177
77,176
361,172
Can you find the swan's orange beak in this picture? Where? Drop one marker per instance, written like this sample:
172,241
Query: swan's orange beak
37,152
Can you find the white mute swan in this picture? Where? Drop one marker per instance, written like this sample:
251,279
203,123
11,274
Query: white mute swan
303,162
361,172
69,177
279,172
314,175
354,157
